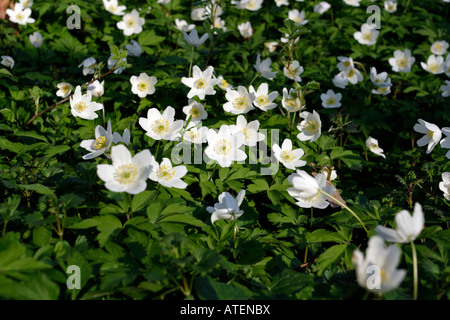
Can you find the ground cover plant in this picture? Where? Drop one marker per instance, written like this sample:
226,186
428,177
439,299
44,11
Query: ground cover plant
253,149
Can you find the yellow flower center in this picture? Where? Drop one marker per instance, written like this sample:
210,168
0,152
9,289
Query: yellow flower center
312,126
165,172
373,146
143,86
112,8
402,62
126,173
347,64
100,143
292,105
246,133
200,83
161,126
331,101
20,16
224,84
240,103
80,106
287,156
351,73
367,36
383,89
434,67
223,147
65,88
130,23
195,112
438,47
193,134
390,7
262,100
430,134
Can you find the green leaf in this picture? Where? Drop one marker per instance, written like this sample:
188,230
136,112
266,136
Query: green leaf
37,187
57,150
289,281
322,235
149,38
330,256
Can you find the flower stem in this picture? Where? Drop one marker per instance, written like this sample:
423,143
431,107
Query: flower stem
130,201
190,64
415,272
346,207
254,78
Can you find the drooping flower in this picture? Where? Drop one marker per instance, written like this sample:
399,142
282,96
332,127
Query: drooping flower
82,105
227,207
372,144
101,144
202,83
322,7
293,71
20,15
126,173
192,38
195,110
250,131
291,101
240,101
444,185
88,65
36,39
298,17
402,61
264,68
143,85
288,156
439,47
263,99
166,175
306,190
131,23
408,226
134,49
112,6
432,134
434,65
161,126
64,89
368,35
245,29
223,146
96,88
8,62
331,100
310,127
377,271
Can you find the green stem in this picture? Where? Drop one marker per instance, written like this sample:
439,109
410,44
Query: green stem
346,207
415,272
4,227
310,227
254,78
130,201
157,150
190,64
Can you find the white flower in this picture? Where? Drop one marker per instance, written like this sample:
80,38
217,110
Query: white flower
264,68
82,106
96,88
168,176
195,134
298,17
131,23
125,138
434,65
340,80
126,174
439,47
368,35
345,63
36,39
227,207
112,6
182,25
88,65
271,45
20,15
322,7
26,3
306,190
408,227
280,3
252,5
331,100
384,89
223,146
101,144
390,6
219,24
293,71
285,39
250,130
378,259
372,144
192,38
161,126
402,61
223,84
445,89
445,143
64,89
240,101
163,1
290,100
325,172
8,61
201,83
134,49
447,66
444,185
245,29
432,134
289,157
263,99
199,14
195,110
378,79
310,127
112,62
354,3
143,85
